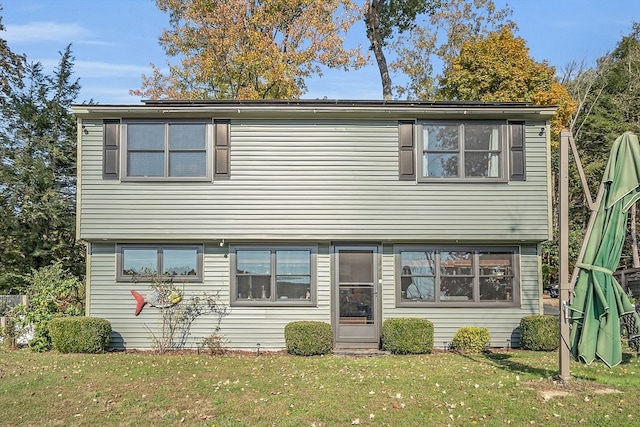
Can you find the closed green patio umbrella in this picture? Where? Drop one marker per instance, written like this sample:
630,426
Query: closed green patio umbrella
599,300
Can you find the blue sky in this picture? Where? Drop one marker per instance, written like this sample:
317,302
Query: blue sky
114,41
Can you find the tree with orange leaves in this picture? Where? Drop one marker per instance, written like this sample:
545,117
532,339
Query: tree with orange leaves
258,49
498,68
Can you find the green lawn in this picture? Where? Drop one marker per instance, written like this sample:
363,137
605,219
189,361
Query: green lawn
133,389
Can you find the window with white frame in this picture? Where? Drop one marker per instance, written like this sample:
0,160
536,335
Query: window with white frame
469,151
149,262
161,150
456,275
278,275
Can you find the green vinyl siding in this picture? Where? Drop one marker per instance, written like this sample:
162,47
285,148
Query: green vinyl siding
245,327
503,322
314,179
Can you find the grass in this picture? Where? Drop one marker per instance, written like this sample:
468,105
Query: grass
134,389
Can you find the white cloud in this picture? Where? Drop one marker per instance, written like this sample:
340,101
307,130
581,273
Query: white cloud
106,69
38,32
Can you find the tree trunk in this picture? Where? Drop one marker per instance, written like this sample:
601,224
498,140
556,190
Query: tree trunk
372,19
634,238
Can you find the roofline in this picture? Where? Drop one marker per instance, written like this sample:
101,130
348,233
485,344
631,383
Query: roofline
370,108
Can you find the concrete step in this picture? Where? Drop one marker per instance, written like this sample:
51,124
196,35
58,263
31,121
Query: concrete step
360,352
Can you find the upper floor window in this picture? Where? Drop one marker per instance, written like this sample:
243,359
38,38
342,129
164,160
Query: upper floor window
279,275
145,263
456,275
176,150
462,150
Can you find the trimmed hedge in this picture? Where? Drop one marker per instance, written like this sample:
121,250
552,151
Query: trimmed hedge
408,335
80,334
539,333
471,339
308,338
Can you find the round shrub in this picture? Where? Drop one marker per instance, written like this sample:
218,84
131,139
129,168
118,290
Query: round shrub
408,335
471,339
80,334
539,333
308,338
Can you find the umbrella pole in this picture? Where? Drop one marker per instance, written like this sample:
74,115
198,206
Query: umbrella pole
563,224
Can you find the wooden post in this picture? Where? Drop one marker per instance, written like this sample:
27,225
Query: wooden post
563,251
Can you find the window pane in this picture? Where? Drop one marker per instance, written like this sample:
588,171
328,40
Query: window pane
481,137
145,164
441,138
180,262
486,165
145,136
254,287
293,287
190,136
453,263
188,164
355,266
417,280
456,288
456,275
496,276
440,165
253,262
139,261
355,304
293,262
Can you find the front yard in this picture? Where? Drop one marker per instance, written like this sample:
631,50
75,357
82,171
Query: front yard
137,389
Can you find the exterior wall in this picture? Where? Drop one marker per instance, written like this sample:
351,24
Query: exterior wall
307,181
318,180
245,327
503,322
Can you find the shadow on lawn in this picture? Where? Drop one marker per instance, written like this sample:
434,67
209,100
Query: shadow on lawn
505,361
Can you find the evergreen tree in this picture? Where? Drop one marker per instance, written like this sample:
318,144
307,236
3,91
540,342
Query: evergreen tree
37,173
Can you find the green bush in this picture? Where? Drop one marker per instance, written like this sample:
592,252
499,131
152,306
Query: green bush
308,338
471,339
80,334
539,333
407,336
53,292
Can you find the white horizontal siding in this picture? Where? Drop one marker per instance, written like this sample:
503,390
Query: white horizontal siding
319,180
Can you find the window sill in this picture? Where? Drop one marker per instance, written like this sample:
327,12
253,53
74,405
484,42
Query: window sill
257,302
457,304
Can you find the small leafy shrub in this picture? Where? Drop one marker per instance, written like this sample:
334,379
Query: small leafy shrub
80,334
407,336
214,343
8,332
539,333
471,339
53,292
308,338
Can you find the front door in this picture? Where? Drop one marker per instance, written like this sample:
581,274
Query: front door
356,296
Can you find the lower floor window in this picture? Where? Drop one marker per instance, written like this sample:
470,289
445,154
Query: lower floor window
146,262
457,275
273,275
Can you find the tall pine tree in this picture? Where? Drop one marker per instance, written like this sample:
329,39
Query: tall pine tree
37,172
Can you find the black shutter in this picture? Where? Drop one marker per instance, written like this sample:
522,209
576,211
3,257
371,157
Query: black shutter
406,154
516,148
221,157
110,149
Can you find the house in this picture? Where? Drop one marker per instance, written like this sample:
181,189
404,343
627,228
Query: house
345,212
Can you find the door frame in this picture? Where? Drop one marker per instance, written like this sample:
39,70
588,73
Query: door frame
354,335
